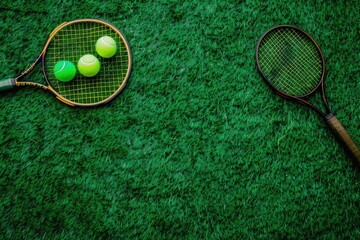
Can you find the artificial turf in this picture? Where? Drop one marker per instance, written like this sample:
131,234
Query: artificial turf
196,146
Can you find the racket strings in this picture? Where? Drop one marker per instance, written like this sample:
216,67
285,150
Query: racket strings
71,43
290,61
284,59
286,64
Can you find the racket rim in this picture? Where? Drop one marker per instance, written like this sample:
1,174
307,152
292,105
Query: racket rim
42,58
87,20
279,92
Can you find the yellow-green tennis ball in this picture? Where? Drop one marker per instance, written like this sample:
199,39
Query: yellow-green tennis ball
64,71
106,47
89,65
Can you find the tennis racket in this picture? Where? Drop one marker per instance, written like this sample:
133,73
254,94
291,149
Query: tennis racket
70,41
292,64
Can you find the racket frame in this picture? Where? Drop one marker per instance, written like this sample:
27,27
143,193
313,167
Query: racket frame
330,118
15,82
304,98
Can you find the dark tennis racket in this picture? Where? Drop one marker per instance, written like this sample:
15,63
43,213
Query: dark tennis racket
292,64
70,41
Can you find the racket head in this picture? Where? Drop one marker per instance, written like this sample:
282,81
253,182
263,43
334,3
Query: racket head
70,41
290,61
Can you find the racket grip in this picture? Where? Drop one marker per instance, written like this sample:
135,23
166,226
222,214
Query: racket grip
7,84
340,131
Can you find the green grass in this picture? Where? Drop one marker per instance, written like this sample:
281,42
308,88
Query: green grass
196,146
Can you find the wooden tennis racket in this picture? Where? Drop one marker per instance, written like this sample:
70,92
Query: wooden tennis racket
70,41
292,64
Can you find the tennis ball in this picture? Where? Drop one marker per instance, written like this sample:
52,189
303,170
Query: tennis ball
64,71
106,47
88,65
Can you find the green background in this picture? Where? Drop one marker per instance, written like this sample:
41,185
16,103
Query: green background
196,146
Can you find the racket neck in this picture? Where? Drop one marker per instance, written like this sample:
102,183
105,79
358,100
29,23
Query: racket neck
315,102
32,66
12,82
326,104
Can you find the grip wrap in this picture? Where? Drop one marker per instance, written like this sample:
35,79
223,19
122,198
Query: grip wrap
340,131
7,84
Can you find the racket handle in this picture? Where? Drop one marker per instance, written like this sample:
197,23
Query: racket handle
7,84
340,131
